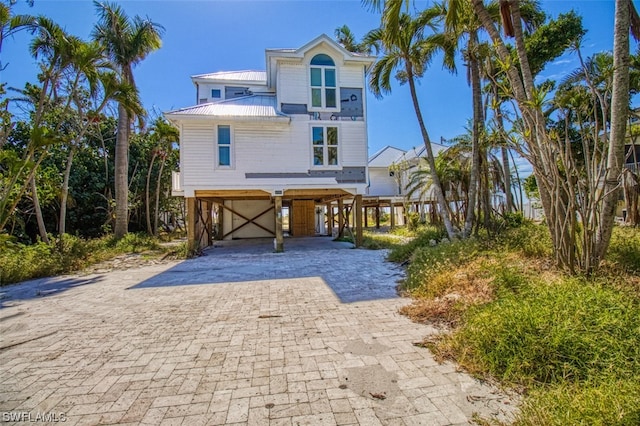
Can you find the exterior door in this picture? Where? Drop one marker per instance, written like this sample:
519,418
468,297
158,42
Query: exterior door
303,218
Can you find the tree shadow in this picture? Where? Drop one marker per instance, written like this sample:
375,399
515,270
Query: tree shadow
352,275
41,287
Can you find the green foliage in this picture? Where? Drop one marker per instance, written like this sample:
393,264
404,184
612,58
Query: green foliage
571,342
530,239
423,237
530,186
551,40
428,261
20,262
134,243
624,249
571,330
607,401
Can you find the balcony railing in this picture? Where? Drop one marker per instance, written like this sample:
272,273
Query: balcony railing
176,186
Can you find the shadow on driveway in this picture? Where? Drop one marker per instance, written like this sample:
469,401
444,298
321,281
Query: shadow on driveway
354,275
41,287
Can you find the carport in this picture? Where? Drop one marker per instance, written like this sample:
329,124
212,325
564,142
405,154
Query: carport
237,214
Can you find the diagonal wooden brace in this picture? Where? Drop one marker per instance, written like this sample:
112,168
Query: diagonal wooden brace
248,221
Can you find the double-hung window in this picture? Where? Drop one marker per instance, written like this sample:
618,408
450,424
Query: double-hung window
224,146
325,146
323,82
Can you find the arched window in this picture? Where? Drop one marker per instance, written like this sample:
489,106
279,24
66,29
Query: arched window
323,82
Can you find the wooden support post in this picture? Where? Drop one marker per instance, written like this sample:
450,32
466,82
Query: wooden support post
393,215
191,225
340,218
330,221
358,217
378,216
366,219
279,234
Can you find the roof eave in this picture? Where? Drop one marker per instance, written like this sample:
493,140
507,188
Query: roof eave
235,118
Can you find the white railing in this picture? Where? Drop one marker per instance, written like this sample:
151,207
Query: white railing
176,186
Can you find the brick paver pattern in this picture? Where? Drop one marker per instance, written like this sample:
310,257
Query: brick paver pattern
268,352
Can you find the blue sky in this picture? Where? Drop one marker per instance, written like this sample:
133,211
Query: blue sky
207,36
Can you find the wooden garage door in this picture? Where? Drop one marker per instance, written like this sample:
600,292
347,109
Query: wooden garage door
303,218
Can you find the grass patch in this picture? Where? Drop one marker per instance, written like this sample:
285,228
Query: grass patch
624,250
422,237
571,344
19,262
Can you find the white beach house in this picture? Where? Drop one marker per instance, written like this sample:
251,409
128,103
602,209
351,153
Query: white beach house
265,153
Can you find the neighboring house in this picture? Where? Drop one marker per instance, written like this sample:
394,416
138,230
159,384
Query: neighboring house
286,145
389,171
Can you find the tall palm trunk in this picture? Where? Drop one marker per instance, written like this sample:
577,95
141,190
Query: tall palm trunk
147,195
62,224
437,185
36,207
122,174
478,124
157,209
619,114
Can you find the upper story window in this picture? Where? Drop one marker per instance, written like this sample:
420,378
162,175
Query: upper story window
323,82
216,93
325,146
224,146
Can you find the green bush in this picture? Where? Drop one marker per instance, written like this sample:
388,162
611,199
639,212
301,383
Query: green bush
624,249
427,261
423,238
569,330
19,262
530,239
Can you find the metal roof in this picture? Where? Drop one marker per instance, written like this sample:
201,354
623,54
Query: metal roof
254,107
258,76
385,157
414,152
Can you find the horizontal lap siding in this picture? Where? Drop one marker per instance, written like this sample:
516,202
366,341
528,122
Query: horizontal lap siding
292,84
264,150
352,76
354,144
197,144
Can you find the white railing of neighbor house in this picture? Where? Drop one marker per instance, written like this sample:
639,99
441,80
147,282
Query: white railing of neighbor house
176,186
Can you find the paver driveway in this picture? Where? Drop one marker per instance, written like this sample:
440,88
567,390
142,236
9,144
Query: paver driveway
241,335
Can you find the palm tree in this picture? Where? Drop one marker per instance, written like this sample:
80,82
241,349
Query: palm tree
127,42
164,135
93,86
56,49
346,38
11,24
407,52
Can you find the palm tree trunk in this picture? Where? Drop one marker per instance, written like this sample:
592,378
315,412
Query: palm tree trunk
619,113
147,197
65,191
36,206
157,209
437,185
478,121
122,174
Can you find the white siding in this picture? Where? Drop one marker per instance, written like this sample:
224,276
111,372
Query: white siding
351,76
380,183
260,149
197,146
292,84
354,144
